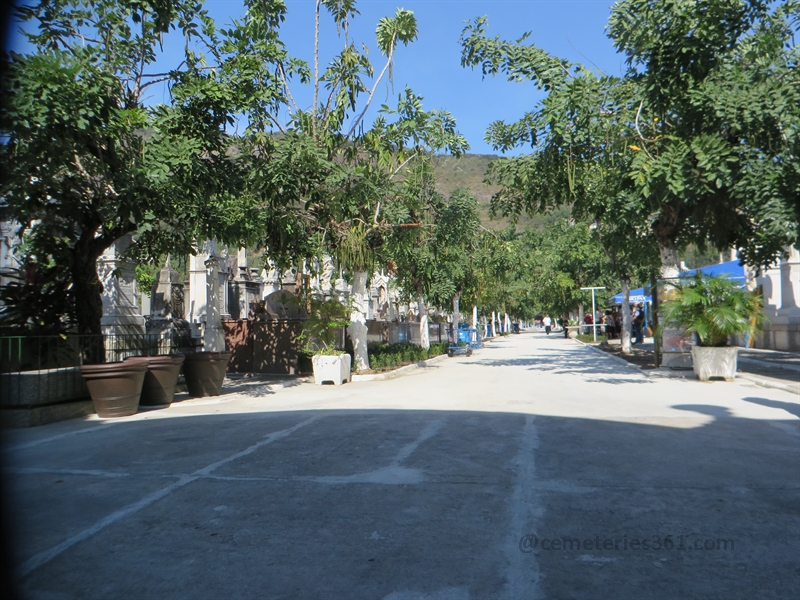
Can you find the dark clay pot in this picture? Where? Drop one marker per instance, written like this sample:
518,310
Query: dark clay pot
161,379
115,387
205,372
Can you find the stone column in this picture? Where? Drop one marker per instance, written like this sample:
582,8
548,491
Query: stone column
213,336
271,279
785,326
326,275
121,312
204,297
197,285
224,269
790,284
8,243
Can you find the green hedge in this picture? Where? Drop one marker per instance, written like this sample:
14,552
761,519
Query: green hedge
390,356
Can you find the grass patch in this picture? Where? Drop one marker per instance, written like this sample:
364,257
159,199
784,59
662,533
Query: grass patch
588,338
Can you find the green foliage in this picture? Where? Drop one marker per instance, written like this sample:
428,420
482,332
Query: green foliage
391,356
696,143
326,318
714,308
146,276
547,269
36,301
87,163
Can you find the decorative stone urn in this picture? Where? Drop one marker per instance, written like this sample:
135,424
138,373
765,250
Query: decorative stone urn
331,368
115,387
710,362
161,379
205,372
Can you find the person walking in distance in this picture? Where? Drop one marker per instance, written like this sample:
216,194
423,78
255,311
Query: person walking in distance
548,323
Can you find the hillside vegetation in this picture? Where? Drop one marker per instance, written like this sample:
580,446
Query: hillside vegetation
467,172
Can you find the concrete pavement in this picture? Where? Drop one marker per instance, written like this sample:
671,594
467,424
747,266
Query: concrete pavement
536,468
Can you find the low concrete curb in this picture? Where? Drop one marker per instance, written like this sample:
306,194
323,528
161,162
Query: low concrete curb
689,374
400,371
769,383
617,359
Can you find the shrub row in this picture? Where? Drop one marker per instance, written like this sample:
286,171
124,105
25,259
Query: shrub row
391,356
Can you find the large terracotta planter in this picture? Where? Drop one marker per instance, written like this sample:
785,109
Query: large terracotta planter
161,379
331,368
714,362
205,372
115,387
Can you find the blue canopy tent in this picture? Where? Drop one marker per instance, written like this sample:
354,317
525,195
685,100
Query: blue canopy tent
731,269
637,295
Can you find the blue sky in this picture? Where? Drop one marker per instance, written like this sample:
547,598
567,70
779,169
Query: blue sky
573,29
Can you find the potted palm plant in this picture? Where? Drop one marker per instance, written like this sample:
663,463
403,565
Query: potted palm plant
714,309
326,319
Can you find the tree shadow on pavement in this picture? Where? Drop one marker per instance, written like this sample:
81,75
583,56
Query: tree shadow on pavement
576,361
401,504
789,407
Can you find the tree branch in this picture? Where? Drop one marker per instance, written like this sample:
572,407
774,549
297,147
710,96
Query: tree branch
286,87
636,123
372,91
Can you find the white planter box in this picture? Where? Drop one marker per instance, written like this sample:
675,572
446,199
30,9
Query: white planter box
714,362
331,368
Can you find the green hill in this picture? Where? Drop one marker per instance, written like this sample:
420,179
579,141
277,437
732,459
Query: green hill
467,172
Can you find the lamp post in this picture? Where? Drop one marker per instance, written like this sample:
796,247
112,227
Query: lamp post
594,311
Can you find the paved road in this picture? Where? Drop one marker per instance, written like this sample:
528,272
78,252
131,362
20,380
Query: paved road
536,468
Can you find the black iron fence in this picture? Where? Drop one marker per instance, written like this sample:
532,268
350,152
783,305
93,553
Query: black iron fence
45,370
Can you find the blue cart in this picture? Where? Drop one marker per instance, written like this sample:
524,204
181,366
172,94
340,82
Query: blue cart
468,339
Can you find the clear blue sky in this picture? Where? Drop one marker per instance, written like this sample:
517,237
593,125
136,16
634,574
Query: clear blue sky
573,29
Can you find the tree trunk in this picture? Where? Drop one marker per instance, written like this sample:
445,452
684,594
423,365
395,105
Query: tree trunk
424,338
475,317
456,315
666,229
625,334
654,319
358,321
88,297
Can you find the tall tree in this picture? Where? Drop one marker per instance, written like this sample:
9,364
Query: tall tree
456,238
86,162
680,141
341,207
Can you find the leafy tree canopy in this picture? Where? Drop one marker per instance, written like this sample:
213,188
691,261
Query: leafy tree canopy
698,141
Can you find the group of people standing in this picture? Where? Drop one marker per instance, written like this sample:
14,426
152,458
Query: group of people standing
611,321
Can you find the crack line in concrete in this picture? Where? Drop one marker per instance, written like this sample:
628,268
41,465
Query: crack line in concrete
522,577
93,472
46,556
26,445
393,474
